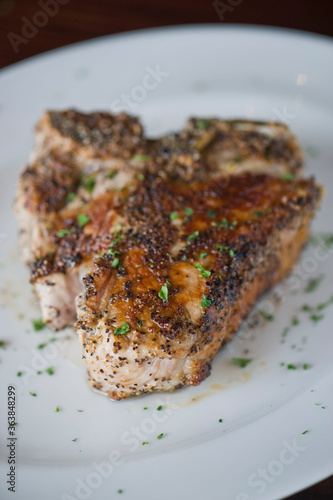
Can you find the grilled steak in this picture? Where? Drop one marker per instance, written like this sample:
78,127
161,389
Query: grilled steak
166,244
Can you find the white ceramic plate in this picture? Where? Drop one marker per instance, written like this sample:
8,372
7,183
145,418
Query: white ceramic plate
260,449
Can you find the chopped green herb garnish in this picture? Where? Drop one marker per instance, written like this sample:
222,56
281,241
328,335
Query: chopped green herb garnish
174,216
305,432
57,409
205,302
74,440
38,324
222,248
38,372
205,273
241,362
211,214
220,420
70,197
115,262
140,157
19,374
163,293
112,174
83,219
224,223
80,411
141,177
63,232
266,315
145,407
159,408
202,124
41,346
261,213
33,394
89,184
140,324
160,436
295,321
290,366
316,317
193,236
282,364
3,344
305,366
188,211
120,491
144,442
203,255
50,370
288,176
122,329
231,252
313,284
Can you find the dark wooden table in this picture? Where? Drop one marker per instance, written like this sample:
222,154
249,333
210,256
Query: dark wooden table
71,21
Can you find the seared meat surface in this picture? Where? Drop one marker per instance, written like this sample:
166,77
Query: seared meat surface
166,244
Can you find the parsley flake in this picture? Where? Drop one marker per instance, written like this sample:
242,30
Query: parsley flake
288,176
115,262
174,215
241,362
159,408
38,324
50,370
83,219
193,236
63,232
163,293
205,302
89,184
70,197
313,284
160,436
33,394
122,329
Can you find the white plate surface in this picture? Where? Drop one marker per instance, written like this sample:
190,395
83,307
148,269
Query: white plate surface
259,450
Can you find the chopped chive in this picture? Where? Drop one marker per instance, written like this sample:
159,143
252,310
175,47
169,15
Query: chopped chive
203,255
33,394
290,366
57,409
305,432
231,252
305,366
141,177
174,215
188,211
159,408
74,440
19,374
220,420
266,315
50,370
115,262
144,442
202,124
41,346
160,436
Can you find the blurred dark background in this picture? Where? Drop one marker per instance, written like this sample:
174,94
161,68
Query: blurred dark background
24,33
77,20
